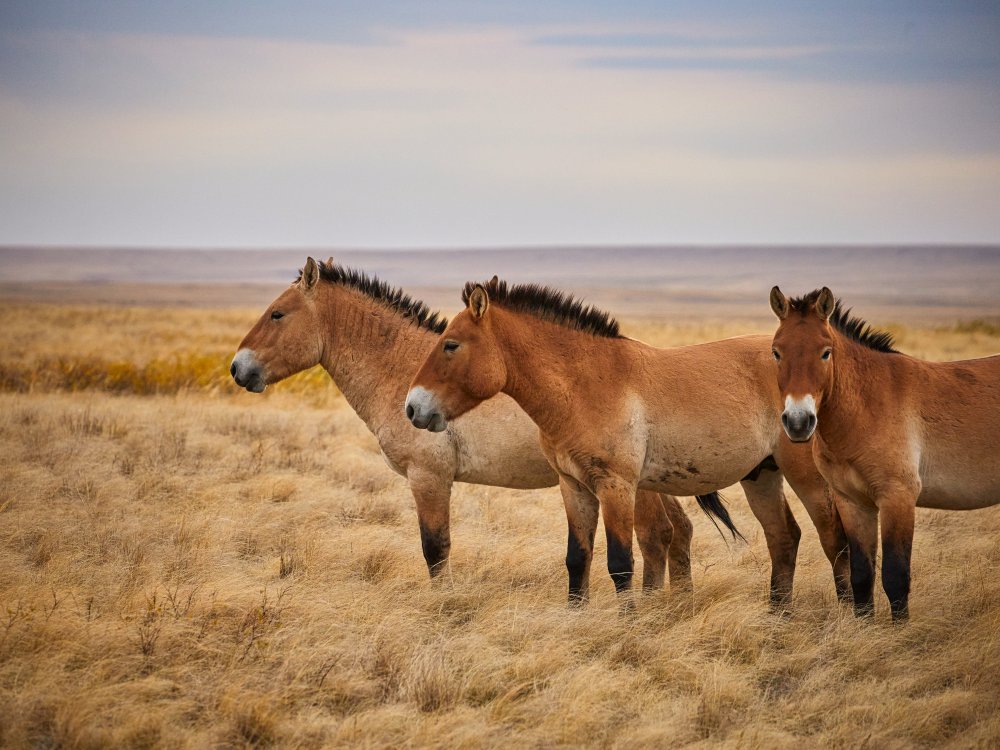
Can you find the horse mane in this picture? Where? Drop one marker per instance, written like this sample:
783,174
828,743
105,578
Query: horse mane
393,298
548,304
856,329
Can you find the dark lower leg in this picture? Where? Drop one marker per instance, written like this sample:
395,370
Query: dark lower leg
862,579
436,544
620,562
432,495
581,517
897,512
579,553
896,577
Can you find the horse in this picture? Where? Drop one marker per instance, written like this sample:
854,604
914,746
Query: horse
616,414
890,432
370,338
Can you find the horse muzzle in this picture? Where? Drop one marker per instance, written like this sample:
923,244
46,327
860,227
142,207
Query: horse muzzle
799,418
423,412
247,371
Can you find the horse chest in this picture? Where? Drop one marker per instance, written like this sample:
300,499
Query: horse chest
842,475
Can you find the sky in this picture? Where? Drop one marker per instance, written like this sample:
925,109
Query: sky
390,124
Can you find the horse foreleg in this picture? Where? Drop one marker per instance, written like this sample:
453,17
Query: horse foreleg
617,499
897,513
799,467
766,497
432,494
581,518
861,526
819,504
655,532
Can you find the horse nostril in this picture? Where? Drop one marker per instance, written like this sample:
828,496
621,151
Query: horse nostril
784,420
812,422
409,412
232,369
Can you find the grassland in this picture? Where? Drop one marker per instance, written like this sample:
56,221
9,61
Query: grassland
183,564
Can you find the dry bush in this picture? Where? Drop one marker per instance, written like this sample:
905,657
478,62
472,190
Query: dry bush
207,568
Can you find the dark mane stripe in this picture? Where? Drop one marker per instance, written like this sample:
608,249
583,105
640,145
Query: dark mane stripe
855,329
393,298
548,304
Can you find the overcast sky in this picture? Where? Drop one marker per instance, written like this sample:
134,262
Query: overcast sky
419,124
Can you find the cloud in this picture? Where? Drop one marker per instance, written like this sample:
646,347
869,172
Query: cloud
480,135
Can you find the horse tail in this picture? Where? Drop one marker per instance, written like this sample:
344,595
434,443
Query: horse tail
715,509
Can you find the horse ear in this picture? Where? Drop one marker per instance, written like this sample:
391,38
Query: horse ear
479,301
779,303
495,280
310,274
329,262
825,303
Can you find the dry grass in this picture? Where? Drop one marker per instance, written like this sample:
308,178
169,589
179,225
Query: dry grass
204,567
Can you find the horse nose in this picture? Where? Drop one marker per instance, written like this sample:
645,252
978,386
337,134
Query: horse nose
798,426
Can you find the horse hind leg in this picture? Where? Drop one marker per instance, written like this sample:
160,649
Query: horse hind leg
766,498
679,551
432,495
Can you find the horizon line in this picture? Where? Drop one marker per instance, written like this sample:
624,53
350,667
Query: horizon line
528,247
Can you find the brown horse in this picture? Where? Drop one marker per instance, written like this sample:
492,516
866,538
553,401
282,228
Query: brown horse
892,432
615,414
370,338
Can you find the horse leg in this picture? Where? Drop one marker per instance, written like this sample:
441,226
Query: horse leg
655,533
817,497
581,517
766,497
679,551
819,504
617,501
432,494
861,525
897,513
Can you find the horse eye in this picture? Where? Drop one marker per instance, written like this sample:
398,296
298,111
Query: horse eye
826,355
777,357
277,315
450,346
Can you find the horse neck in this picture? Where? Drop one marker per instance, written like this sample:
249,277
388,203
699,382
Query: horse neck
371,353
546,364
857,369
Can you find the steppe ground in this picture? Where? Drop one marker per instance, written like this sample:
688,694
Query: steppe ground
183,564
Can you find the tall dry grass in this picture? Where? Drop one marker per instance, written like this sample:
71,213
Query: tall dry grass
205,567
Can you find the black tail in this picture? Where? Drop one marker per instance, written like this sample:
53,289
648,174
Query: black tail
715,509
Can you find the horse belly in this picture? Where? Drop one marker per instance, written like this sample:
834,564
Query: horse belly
501,451
699,467
968,492
959,471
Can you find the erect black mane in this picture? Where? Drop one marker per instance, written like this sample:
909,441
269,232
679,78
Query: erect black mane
393,298
548,304
855,329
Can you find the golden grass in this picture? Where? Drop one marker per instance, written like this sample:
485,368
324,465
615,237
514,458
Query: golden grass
205,567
